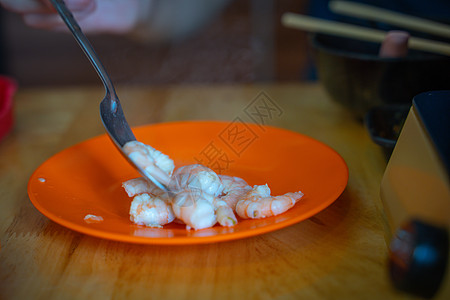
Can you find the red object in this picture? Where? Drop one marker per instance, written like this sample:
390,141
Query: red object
7,89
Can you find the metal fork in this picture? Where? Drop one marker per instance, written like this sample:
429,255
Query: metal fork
111,111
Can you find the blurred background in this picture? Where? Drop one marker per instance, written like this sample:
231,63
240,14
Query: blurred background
244,43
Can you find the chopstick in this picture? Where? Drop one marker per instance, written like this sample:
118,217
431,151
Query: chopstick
312,24
373,13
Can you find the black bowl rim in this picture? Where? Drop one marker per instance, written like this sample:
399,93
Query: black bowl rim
373,125
417,56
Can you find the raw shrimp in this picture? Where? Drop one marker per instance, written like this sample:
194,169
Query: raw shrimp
234,188
196,177
151,160
258,203
150,210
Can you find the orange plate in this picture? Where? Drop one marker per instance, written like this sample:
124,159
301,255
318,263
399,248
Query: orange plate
86,178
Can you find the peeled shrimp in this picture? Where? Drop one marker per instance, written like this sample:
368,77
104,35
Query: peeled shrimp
150,210
234,188
199,197
141,185
258,203
195,203
200,188
196,177
150,205
151,160
198,210
195,208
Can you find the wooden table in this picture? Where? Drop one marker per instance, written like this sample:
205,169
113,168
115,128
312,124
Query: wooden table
338,254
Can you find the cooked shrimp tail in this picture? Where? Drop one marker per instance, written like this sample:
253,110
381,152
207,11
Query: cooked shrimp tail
224,213
258,203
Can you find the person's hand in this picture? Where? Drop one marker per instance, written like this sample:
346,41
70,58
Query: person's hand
94,16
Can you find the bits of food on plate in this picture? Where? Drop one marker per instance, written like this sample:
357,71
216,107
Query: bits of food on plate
89,218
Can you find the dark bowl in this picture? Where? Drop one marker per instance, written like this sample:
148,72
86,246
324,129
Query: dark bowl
355,76
384,124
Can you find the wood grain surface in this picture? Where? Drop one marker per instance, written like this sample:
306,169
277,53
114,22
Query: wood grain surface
339,253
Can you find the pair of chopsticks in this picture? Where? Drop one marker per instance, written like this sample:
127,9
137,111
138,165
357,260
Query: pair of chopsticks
372,35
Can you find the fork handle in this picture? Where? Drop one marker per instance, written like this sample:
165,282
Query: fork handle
84,43
111,110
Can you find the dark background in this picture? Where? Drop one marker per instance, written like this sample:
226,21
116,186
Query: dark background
246,43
